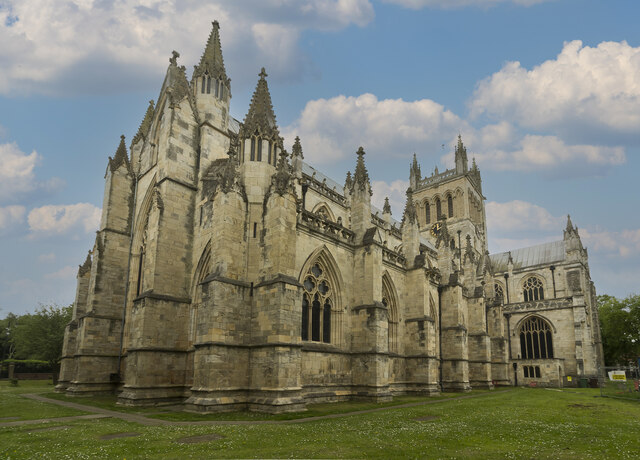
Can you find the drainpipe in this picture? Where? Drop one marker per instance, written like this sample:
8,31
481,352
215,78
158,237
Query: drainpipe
506,283
508,316
440,332
553,278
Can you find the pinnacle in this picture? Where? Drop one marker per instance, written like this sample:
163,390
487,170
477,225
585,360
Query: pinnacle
260,116
410,215
569,223
120,157
361,176
211,62
387,207
297,149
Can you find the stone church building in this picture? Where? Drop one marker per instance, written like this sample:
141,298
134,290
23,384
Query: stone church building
228,273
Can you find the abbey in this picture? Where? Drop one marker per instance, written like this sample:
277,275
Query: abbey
228,273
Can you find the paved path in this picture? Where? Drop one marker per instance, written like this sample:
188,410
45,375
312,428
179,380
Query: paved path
102,413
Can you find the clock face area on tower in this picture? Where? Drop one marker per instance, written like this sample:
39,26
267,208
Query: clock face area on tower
435,229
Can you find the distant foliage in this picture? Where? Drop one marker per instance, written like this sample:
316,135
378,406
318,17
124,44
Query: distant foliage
620,329
35,336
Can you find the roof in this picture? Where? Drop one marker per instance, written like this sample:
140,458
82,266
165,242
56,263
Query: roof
541,254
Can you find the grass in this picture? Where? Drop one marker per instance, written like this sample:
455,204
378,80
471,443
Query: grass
523,423
13,405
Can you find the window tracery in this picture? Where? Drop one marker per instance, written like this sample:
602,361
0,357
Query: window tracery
317,304
533,289
536,341
388,300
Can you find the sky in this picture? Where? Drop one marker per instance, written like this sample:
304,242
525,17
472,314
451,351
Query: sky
545,94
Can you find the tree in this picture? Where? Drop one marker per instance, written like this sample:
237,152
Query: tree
620,329
40,335
7,343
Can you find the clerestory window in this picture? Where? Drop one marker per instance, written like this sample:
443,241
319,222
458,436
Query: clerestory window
533,289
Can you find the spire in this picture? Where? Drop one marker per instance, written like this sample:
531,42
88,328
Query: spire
211,62
410,215
361,176
260,116
143,130
462,163
120,157
387,207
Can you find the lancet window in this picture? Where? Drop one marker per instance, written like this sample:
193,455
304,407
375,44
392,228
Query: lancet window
450,205
427,213
536,341
317,303
533,289
438,208
388,300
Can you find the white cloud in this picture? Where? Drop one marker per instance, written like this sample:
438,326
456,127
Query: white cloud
16,171
331,129
65,273
551,155
85,45
396,191
584,90
52,219
518,216
447,4
45,258
625,243
17,174
11,215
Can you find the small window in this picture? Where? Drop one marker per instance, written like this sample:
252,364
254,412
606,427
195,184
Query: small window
259,150
427,213
525,369
253,149
204,83
538,372
208,85
499,292
255,229
438,209
450,205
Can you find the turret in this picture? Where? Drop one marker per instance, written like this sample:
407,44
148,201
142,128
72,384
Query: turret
462,164
259,135
210,84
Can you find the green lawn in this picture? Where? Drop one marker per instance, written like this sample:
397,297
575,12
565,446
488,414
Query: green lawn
523,423
13,405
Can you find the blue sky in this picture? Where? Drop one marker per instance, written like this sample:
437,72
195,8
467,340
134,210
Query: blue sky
546,94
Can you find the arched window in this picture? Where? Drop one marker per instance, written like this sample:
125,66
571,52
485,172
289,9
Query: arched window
388,300
533,289
499,292
216,85
253,149
317,302
438,208
204,84
427,213
450,205
208,85
536,340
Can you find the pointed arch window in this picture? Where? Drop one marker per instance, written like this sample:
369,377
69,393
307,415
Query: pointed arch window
427,213
208,84
533,289
450,205
317,305
216,85
253,149
388,300
536,339
259,154
438,208
204,84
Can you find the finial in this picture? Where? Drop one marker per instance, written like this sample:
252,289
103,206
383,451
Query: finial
174,57
263,74
296,151
387,207
410,214
215,24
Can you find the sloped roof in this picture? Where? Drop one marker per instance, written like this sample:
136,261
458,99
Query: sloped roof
541,254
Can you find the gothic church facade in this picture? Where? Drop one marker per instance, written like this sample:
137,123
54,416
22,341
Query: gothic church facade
230,274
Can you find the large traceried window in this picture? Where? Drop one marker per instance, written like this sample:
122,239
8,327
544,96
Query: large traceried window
536,341
532,289
317,302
